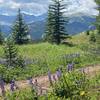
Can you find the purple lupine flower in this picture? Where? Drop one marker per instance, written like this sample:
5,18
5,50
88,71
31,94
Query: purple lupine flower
33,85
54,78
12,85
2,86
30,81
58,73
49,76
70,67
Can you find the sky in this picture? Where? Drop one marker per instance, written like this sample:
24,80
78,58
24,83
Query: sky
38,7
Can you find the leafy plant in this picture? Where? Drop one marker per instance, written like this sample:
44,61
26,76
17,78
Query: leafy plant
72,85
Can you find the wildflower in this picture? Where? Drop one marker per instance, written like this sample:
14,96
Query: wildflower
49,76
70,67
54,77
30,81
82,93
58,73
2,86
13,85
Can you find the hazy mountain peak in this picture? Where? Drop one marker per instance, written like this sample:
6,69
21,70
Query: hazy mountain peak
80,13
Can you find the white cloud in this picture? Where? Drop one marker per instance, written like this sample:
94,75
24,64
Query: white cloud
86,7
11,7
34,8
1,1
38,7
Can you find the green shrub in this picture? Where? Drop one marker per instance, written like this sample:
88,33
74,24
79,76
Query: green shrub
73,85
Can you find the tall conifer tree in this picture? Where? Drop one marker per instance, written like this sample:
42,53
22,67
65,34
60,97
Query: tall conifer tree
98,17
49,27
1,37
11,54
97,24
20,32
55,31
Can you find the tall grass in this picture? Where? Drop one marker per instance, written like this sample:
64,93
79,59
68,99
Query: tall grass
42,57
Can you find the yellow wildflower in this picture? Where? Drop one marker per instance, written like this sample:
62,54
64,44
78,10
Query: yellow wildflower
82,93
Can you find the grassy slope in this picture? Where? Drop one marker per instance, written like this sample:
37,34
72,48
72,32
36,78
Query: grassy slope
35,50
48,56
81,38
52,53
45,49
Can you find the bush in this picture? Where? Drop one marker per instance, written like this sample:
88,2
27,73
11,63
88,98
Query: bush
73,85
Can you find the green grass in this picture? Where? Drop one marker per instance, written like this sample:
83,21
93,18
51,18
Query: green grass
46,49
81,38
48,56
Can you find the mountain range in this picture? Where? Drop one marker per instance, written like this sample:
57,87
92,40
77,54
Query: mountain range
81,14
37,24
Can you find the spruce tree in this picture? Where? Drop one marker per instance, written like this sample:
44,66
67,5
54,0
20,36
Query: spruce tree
11,54
98,17
55,31
20,30
49,27
1,37
97,23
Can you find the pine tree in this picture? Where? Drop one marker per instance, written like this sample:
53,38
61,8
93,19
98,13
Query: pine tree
55,32
97,23
1,37
98,17
11,54
49,27
20,32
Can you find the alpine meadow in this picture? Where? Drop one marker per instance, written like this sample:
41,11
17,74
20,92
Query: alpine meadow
50,50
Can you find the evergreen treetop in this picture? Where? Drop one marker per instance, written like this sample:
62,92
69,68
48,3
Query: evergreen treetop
20,31
1,37
97,24
11,54
55,31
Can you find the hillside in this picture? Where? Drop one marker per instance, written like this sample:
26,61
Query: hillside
75,25
37,24
43,56
49,50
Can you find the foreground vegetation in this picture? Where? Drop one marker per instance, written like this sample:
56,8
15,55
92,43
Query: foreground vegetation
41,57
73,85
82,50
